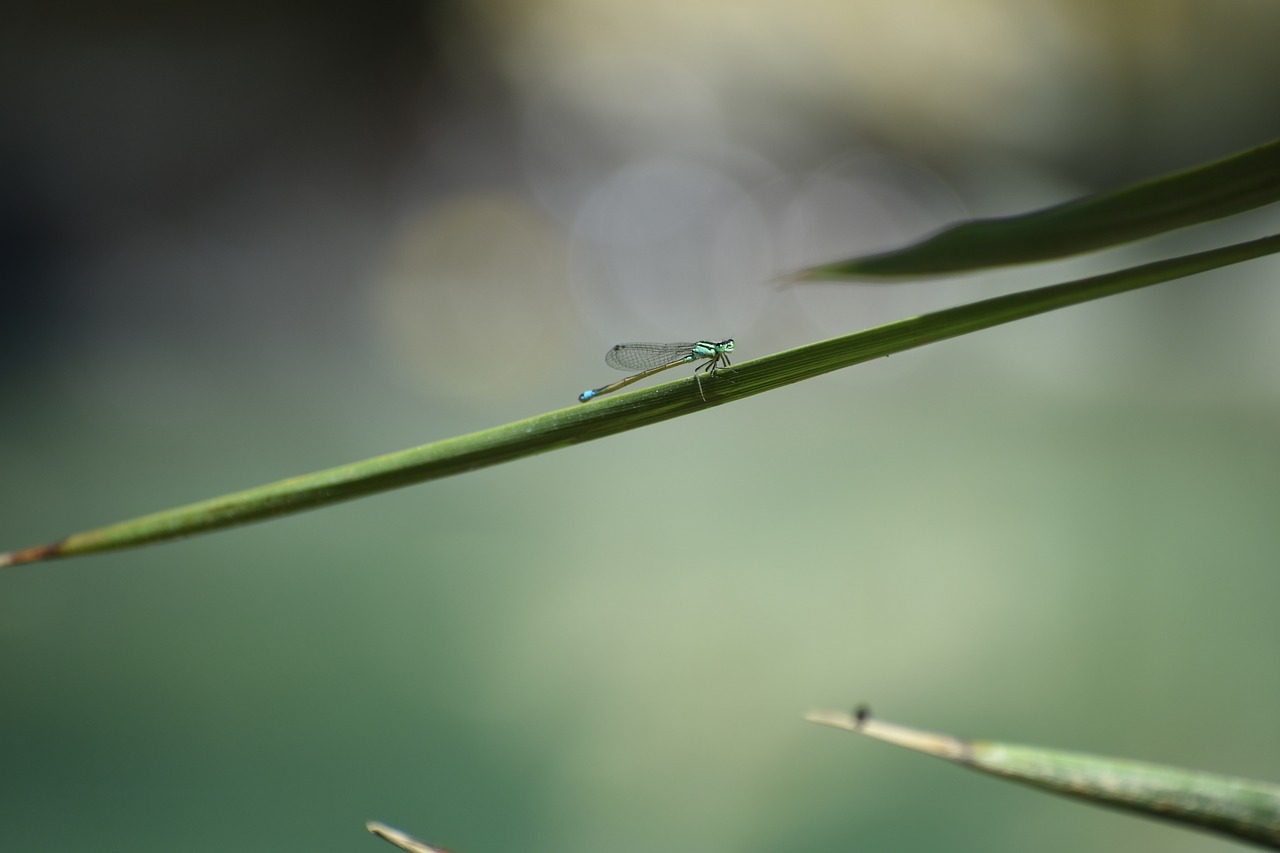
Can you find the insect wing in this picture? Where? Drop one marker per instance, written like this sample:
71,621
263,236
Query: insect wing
640,356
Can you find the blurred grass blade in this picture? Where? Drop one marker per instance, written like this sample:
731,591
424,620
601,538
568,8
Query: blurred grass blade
623,412
1223,188
1243,809
403,840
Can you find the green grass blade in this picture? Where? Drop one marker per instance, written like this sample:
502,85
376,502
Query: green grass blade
1244,809
1223,188
622,412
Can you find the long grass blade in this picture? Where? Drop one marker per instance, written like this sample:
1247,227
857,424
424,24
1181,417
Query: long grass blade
1244,809
1233,185
623,412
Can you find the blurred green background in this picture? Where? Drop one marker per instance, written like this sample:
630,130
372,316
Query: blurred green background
243,242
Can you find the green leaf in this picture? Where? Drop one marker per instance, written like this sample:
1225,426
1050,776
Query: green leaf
622,412
1243,809
1238,183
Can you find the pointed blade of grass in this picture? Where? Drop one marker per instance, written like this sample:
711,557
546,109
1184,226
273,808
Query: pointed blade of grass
623,412
1233,185
403,840
1243,809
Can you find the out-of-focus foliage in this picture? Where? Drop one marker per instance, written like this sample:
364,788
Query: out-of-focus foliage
244,243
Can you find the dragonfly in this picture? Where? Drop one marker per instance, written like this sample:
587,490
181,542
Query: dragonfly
649,359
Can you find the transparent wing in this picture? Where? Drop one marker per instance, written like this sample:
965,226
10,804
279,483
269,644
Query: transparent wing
646,356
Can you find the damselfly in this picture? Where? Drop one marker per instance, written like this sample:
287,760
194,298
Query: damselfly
649,359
